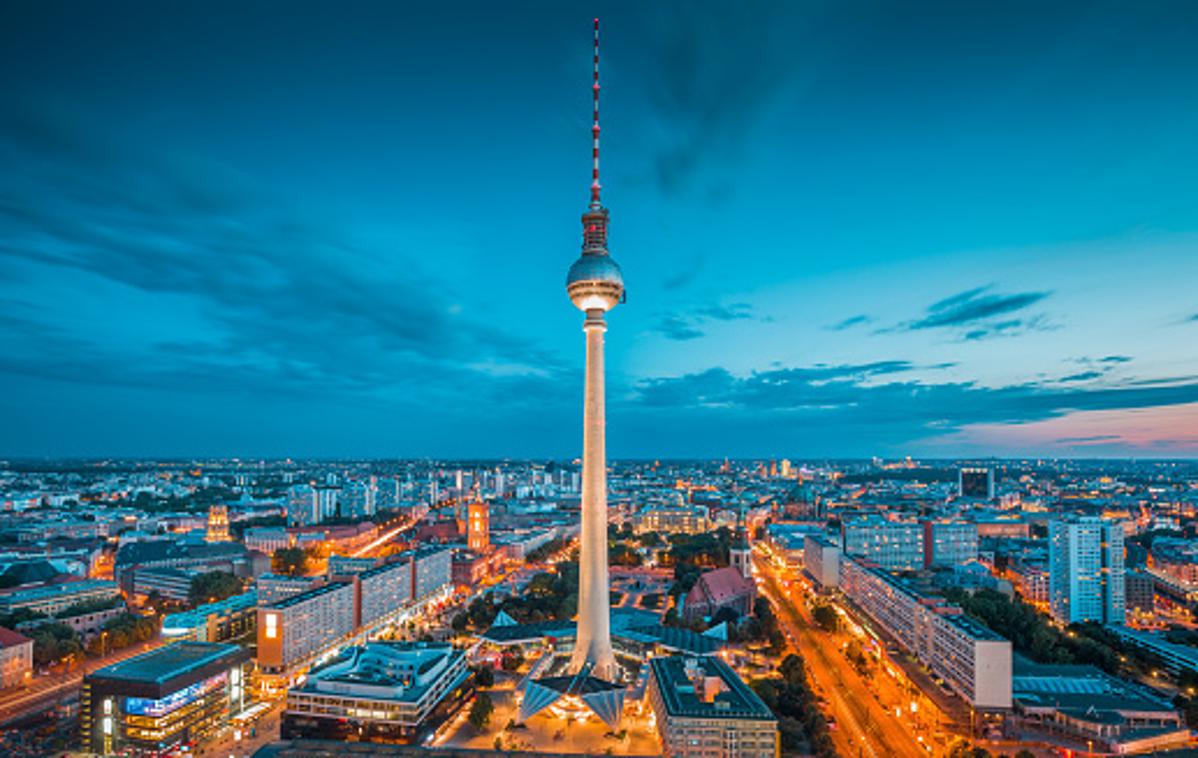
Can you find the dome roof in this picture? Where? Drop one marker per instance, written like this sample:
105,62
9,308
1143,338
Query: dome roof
594,268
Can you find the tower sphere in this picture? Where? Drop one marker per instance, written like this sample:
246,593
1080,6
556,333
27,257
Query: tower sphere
595,282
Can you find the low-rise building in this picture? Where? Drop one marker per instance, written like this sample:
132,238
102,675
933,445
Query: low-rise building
16,658
702,708
669,518
52,598
225,620
719,589
385,691
158,702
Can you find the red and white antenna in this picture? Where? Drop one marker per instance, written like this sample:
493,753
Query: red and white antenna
595,128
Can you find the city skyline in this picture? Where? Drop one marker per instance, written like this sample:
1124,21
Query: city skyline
954,233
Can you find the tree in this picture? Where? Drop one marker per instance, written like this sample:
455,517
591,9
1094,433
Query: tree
212,587
459,622
825,616
480,712
484,676
292,561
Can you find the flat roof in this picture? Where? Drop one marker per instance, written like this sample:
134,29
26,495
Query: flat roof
303,597
734,701
199,615
158,666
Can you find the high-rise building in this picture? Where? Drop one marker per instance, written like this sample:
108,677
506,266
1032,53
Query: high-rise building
949,543
1085,570
595,286
976,482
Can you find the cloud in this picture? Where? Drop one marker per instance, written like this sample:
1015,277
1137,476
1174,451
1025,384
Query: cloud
1081,376
979,314
1088,440
870,399
687,324
850,322
675,328
287,303
1115,359
716,73
975,305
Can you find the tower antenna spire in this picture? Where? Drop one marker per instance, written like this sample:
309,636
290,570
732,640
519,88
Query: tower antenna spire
595,204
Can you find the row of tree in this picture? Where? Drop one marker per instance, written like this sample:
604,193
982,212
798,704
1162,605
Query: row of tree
801,725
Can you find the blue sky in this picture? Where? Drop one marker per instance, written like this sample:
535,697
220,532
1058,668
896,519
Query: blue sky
847,229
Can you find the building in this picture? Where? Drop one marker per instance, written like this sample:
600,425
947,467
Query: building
295,630
266,539
49,599
976,482
218,523
348,565
222,621
949,543
1139,592
384,589
1032,581
893,545
275,587
162,700
715,590
1085,570
703,709
432,571
16,658
973,660
478,526
821,557
1093,710
385,691
169,582
673,518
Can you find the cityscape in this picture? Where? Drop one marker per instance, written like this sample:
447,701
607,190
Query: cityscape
290,459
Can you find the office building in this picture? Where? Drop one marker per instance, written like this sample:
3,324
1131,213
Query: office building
949,543
893,545
159,702
702,708
1085,570
1139,592
973,660
975,482
384,691
171,583
821,558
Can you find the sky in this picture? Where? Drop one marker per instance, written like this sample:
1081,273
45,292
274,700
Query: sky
847,229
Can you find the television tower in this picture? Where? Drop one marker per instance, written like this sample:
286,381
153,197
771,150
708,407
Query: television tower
595,286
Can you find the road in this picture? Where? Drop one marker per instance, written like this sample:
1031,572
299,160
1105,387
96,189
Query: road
44,691
865,727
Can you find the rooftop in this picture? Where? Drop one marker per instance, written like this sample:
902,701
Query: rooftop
677,676
307,595
158,666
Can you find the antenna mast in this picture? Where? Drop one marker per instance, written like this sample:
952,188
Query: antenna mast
595,204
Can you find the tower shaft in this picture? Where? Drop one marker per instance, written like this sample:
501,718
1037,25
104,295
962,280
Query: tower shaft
593,643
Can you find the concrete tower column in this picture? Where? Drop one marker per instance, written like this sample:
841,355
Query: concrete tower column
594,604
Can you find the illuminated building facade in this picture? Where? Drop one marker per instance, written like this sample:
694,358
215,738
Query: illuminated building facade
160,701
385,691
218,524
478,526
